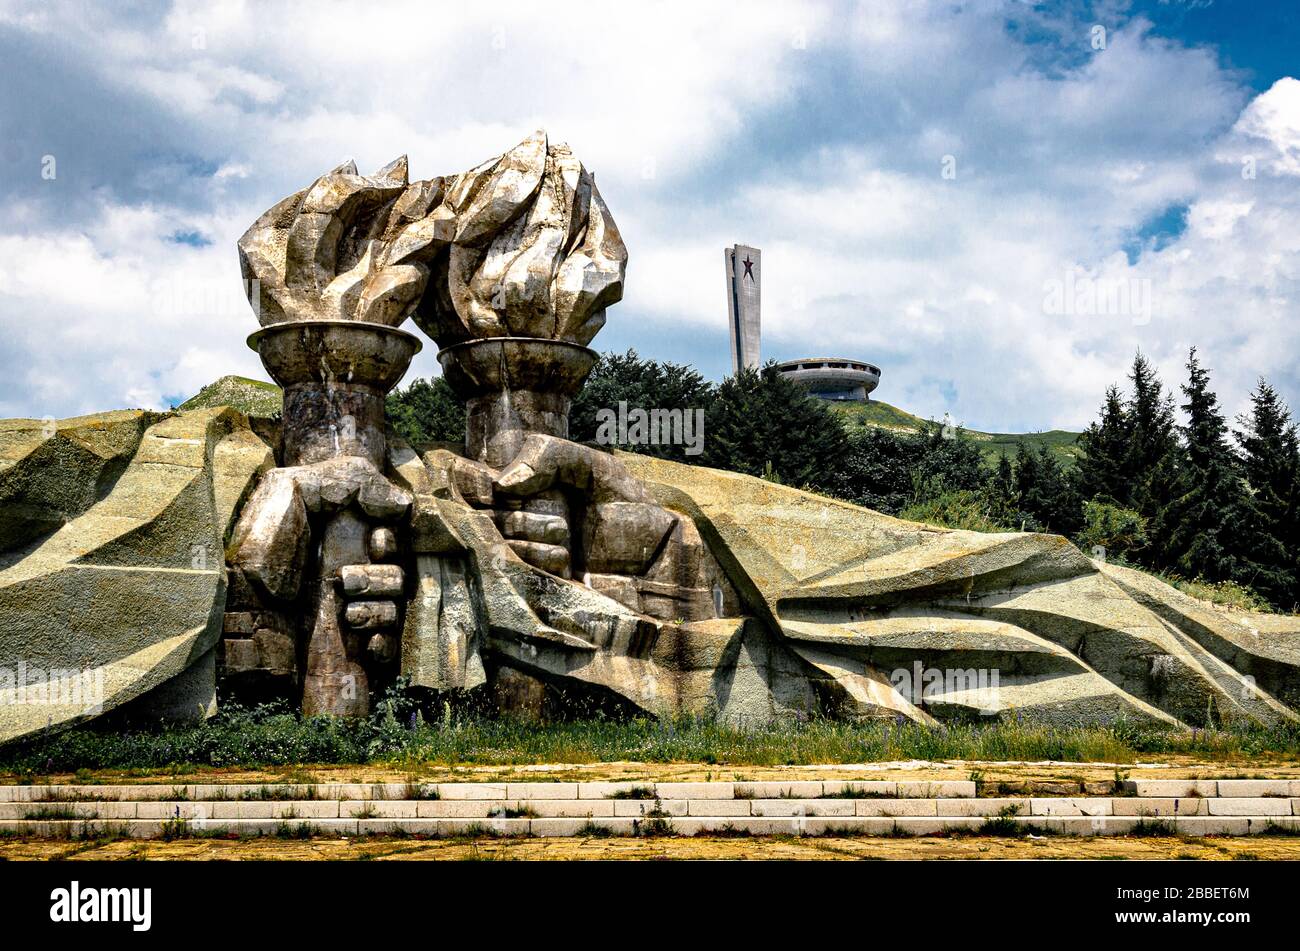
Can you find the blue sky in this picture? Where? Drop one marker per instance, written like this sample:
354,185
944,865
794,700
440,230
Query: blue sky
997,203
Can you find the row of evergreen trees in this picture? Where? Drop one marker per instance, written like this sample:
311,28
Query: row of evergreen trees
1217,504
1194,499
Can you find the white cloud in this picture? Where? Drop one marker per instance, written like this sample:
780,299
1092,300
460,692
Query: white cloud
814,132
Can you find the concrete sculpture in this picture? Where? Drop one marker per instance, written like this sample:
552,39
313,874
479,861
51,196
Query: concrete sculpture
524,563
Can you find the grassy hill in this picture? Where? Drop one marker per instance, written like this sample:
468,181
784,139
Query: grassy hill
992,445
255,397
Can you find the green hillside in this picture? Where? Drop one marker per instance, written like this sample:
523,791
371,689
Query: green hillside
992,445
255,397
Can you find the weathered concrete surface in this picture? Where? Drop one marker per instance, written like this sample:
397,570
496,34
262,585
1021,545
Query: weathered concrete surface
129,594
53,470
1070,641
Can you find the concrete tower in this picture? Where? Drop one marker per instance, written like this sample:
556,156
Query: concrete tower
744,273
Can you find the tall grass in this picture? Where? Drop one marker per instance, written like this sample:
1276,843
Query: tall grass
271,736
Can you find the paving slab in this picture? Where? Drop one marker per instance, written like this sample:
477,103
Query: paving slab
472,791
802,807
1263,806
717,807
1172,788
541,790
569,808
495,826
379,809
895,808
980,807
1075,806
1249,788
1132,806
636,808
1211,825
694,790
794,790
868,787
614,790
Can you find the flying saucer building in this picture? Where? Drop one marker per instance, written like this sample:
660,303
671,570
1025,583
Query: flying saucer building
833,378
830,378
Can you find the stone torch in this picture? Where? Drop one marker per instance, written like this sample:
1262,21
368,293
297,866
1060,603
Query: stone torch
535,260
331,272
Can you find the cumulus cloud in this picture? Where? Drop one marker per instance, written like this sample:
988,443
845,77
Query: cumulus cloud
818,132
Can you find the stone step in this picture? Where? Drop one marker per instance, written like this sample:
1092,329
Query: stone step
626,825
804,807
1164,789
1062,807
489,791
815,789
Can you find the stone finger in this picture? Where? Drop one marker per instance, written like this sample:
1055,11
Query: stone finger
533,527
624,537
552,558
369,615
358,581
383,544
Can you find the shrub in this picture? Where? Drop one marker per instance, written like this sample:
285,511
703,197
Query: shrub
961,508
1116,530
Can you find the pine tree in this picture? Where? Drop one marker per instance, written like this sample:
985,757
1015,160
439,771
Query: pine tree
763,422
1045,492
1001,493
1270,452
877,469
998,495
1105,447
1150,467
1209,527
1270,459
1026,486
641,384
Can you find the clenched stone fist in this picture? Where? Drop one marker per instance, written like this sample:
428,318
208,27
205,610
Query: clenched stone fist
357,597
575,512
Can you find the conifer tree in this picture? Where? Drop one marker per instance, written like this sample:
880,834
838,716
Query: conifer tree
1270,452
1209,528
1001,492
1151,464
1270,459
762,422
1045,492
641,384
426,411
1105,447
